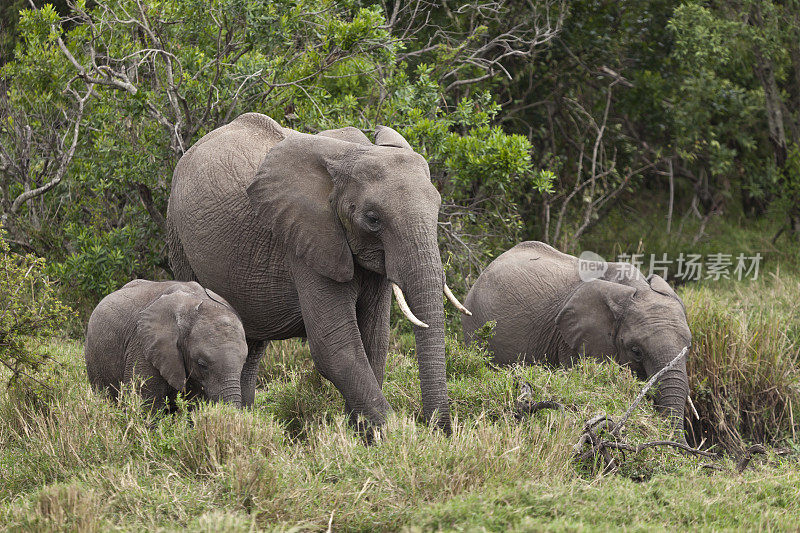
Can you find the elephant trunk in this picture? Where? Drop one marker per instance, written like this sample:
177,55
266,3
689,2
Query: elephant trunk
422,281
230,391
673,388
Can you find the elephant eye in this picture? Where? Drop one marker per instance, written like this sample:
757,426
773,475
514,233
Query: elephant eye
637,352
203,364
372,220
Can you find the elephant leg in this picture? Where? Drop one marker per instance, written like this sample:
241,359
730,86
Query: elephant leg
255,351
372,312
329,315
156,393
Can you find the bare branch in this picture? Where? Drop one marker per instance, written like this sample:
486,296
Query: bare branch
64,162
655,377
146,196
482,35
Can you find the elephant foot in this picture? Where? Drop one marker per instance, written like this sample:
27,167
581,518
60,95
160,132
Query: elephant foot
370,432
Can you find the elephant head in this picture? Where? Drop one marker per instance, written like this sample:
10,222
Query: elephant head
338,200
642,327
197,340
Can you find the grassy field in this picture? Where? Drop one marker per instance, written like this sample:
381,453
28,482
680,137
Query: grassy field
72,460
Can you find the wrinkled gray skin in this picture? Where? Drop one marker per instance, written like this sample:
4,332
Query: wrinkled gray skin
303,234
175,336
547,314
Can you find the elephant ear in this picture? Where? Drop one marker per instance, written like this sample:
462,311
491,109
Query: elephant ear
588,319
292,192
160,327
349,134
386,136
659,284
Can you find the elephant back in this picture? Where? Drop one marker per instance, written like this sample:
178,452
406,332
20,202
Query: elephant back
522,291
214,234
244,141
521,270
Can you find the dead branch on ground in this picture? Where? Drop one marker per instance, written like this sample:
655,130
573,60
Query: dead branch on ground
600,445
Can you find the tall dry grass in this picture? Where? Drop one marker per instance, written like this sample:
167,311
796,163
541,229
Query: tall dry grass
743,369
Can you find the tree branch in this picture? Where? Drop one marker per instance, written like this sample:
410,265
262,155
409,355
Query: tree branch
64,160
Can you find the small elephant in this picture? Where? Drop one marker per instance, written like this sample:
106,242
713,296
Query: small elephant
176,336
547,313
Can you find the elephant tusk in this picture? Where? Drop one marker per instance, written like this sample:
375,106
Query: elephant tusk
454,301
401,301
691,404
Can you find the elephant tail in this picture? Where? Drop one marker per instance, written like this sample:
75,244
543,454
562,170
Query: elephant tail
178,261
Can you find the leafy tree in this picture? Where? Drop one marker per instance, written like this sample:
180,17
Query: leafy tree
9,21
537,117
140,81
739,95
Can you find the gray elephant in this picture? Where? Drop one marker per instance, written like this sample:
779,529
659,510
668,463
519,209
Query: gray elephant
175,336
546,312
306,236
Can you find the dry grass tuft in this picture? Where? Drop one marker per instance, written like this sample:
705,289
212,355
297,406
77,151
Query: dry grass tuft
68,507
217,435
743,372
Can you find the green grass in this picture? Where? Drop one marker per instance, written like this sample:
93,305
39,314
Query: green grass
71,460
638,225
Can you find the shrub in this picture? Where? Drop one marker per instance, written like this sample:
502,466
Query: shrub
100,264
29,310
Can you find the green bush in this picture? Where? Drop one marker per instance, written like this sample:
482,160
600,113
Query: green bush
29,310
101,264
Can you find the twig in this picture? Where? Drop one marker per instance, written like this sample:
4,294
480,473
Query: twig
146,196
646,388
780,232
671,198
603,422
748,456
525,409
330,522
524,406
651,444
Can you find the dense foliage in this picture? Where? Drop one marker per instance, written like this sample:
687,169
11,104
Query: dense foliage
537,118
29,310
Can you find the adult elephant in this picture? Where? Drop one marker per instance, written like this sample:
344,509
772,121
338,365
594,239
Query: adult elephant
306,235
551,308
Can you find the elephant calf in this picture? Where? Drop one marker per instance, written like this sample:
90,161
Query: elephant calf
546,312
176,336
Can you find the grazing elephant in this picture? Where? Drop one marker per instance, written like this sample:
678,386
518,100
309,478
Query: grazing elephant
546,313
307,236
177,336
